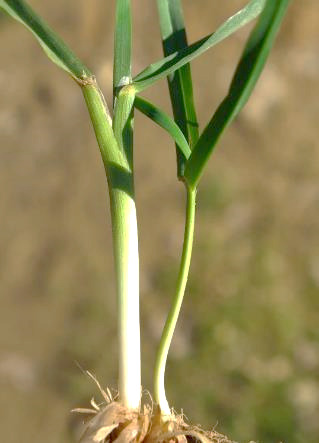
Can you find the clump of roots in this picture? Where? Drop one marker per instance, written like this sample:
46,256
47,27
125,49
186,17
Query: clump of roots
112,423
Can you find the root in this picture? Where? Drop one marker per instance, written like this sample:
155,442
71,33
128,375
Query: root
113,423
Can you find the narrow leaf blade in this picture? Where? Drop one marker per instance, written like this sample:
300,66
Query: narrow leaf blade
171,63
122,93
52,44
166,122
122,44
246,75
180,82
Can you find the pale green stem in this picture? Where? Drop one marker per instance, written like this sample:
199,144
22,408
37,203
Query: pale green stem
125,238
125,243
123,121
168,331
102,125
125,246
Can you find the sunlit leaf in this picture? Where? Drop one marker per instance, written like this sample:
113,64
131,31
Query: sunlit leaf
52,44
122,44
166,122
246,75
180,82
171,63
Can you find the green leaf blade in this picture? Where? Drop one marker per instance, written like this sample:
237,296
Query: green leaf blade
123,93
165,122
180,82
122,44
173,62
52,44
244,80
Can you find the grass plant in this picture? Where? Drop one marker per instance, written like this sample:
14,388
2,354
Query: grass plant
125,419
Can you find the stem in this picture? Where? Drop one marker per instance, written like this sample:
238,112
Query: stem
126,256
168,331
124,214
102,124
125,243
125,246
123,121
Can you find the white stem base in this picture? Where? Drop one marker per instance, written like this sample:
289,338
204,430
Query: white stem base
125,240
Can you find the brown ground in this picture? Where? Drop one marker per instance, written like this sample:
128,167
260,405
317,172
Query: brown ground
246,353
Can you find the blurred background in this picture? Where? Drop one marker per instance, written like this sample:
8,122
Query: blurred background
246,353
